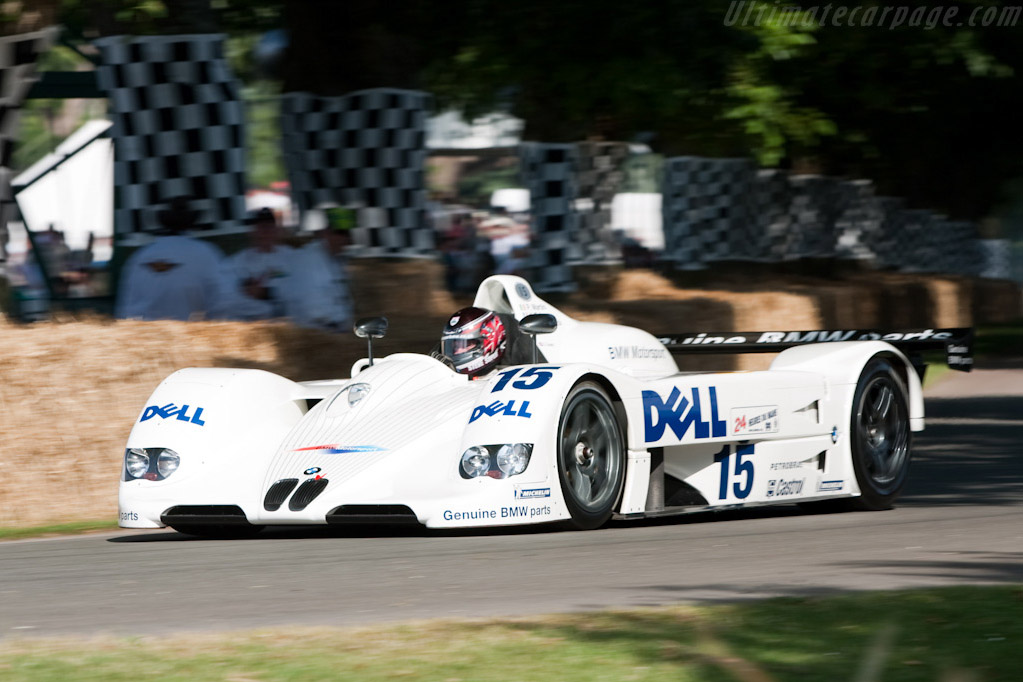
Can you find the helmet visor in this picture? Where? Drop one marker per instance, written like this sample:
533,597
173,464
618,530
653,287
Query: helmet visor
461,349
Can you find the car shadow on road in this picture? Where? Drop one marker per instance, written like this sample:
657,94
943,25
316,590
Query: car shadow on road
968,454
974,568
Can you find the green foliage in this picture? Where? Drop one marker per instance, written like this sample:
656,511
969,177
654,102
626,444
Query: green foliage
476,188
73,528
643,173
38,121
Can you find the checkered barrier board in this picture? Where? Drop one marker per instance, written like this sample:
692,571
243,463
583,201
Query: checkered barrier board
962,252
816,203
18,57
178,126
548,172
771,197
599,176
916,245
888,243
708,207
995,256
858,224
366,149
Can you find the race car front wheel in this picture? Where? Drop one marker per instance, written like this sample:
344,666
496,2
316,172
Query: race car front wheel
591,458
880,436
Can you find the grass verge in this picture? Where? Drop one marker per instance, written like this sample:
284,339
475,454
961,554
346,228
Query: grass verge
993,344
76,528
948,634
999,340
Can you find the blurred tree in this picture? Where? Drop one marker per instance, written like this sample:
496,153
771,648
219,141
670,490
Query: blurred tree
926,110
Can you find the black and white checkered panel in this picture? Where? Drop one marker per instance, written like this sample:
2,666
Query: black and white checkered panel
368,149
815,205
737,178
857,227
937,245
770,212
680,208
918,247
548,172
178,128
890,242
18,56
707,211
961,252
995,256
600,175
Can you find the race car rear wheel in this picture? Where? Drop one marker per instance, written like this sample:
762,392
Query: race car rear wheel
591,456
880,436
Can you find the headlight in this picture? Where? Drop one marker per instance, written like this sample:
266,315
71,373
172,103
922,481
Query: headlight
151,464
475,462
510,460
167,463
356,392
136,462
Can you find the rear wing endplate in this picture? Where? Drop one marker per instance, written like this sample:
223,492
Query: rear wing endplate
957,342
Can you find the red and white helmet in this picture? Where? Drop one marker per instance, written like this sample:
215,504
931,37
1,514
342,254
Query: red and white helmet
474,340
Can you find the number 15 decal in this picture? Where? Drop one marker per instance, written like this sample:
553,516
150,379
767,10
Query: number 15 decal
532,377
743,470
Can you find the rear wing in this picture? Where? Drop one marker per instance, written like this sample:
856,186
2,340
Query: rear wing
957,342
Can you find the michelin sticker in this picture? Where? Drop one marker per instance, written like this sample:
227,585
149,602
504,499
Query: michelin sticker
748,420
531,493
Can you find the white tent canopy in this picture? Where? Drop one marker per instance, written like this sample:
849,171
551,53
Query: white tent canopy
73,189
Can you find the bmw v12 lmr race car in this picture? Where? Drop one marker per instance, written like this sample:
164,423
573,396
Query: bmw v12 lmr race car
600,424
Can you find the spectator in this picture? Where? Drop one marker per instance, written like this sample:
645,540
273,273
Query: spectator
264,272
511,249
324,292
176,277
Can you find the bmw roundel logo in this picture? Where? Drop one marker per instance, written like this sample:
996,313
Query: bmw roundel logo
523,291
312,470
834,434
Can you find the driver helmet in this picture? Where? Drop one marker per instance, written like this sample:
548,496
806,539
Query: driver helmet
474,340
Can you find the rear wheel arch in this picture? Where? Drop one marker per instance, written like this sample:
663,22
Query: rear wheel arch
881,446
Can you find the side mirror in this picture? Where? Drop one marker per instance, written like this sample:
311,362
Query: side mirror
538,323
370,328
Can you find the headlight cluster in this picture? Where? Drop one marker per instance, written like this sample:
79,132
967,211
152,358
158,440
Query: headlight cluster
151,464
495,461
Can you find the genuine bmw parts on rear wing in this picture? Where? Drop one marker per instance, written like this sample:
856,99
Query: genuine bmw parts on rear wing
957,342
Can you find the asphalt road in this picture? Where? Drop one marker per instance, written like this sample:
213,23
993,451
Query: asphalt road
959,522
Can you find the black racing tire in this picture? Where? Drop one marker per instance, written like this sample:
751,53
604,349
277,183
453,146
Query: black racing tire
591,456
218,532
880,437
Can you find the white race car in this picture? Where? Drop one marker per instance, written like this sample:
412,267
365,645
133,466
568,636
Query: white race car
601,423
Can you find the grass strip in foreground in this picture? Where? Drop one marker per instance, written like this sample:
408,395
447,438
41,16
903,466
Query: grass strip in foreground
935,635
74,528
